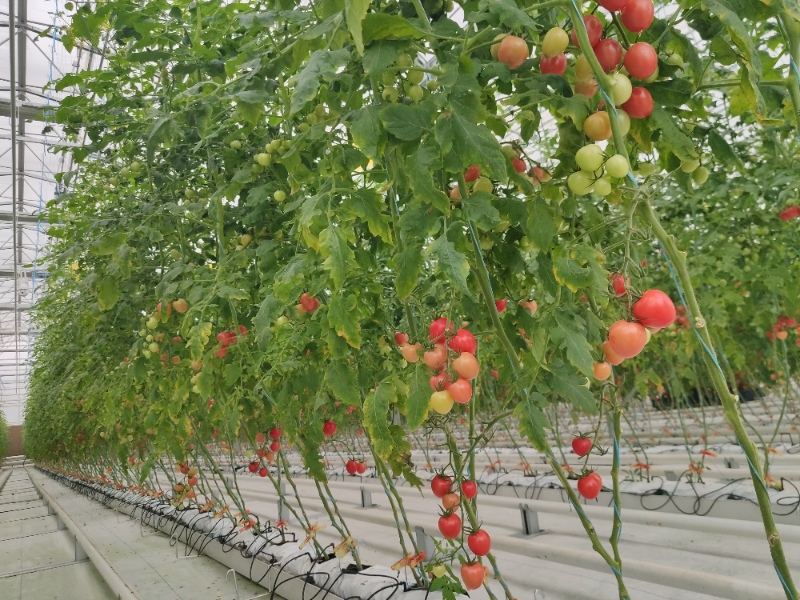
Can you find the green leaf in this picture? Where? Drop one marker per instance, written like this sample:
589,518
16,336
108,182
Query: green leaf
540,226
343,318
571,273
341,379
376,416
408,123
355,11
322,64
367,205
532,421
380,55
163,132
419,394
108,293
478,208
232,293
407,265
476,144
672,135
108,244
269,310
570,334
450,263
419,165
382,26
671,92
572,387
510,14
339,257
722,150
367,132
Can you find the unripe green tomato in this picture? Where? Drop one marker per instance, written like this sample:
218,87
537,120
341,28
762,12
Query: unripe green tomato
580,183
624,121
263,159
281,321
236,145
311,119
142,332
621,89
602,186
502,226
388,78
441,402
433,85
415,93
404,61
303,127
415,77
274,146
189,193
652,77
114,181
279,196
689,166
107,188
700,175
245,239
525,244
125,172
495,48
152,323
487,243
147,353
483,184
390,94
510,152
153,347
646,169
617,166
675,59
438,570
589,158
148,338
555,42
136,166
175,254
320,111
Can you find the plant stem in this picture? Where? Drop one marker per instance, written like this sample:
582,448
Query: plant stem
730,402
792,34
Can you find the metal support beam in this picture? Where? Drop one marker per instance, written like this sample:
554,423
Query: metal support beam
27,111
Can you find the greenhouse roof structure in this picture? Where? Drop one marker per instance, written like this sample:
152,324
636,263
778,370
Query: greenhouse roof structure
31,57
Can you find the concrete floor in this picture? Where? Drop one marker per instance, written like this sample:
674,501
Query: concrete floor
37,560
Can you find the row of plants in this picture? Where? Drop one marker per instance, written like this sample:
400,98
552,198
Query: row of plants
3,437
391,217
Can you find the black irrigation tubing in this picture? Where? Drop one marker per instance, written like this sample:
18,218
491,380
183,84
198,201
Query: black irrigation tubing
151,509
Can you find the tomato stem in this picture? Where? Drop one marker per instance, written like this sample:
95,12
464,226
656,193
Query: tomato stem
730,402
792,34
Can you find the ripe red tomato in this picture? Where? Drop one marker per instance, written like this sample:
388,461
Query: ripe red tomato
252,467
519,165
640,104
329,428
309,303
480,543
601,370
594,27
450,525
641,60
469,489
553,66
275,446
472,574
450,500
437,330
440,485
439,382
460,391
262,472
275,433
466,366
472,173
655,309
589,487
637,15
463,341
513,51
350,467
618,284
609,54
500,305
400,338
361,468
226,338
627,338
581,446
436,357
611,356
222,352
613,5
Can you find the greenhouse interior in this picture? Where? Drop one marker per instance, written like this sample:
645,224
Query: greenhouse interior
400,299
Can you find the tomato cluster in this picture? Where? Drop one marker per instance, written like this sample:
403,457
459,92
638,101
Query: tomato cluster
780,330
355,467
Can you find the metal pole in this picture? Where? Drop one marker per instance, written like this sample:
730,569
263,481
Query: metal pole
12,43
